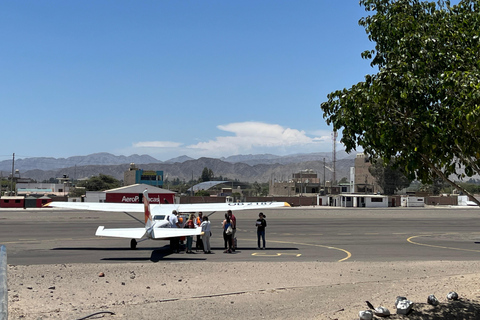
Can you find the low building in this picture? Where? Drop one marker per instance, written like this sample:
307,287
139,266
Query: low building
12,202
57,189
412,201
134,194
358,200
303,183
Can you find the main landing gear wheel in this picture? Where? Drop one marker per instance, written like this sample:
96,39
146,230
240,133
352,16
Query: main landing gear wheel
133,244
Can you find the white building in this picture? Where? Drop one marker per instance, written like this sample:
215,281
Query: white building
358,200
412,201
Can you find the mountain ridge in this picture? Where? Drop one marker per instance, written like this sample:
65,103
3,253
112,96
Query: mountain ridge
253,168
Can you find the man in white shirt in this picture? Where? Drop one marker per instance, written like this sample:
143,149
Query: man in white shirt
206,235
174,241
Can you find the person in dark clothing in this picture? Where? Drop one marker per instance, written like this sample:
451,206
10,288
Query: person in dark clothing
261,224
227,234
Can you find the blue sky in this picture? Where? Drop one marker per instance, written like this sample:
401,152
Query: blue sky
171,78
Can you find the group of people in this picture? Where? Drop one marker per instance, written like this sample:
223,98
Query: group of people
202,242
229,225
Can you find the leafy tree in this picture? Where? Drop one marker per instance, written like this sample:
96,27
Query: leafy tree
100,183
207,175
343,180
264,191
236,195
77,192
422,108
257,188
388,178
202,193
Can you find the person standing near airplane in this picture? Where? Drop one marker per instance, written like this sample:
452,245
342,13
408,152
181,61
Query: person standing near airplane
190,225
198,222
261,224
174,241
233,219
206,235
227,233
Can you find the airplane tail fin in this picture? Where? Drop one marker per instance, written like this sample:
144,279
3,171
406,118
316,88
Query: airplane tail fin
146,205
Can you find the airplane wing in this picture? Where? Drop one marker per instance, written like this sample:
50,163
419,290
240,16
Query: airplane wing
160,233
131,233
196,207
166,208
98,206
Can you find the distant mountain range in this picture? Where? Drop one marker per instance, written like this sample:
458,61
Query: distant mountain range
247,168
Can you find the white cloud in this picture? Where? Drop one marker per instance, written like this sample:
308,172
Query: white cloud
157,144
254,135
242,138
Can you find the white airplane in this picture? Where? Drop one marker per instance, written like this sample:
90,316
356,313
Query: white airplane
157,225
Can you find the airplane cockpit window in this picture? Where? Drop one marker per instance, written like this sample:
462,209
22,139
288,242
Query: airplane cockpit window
159,217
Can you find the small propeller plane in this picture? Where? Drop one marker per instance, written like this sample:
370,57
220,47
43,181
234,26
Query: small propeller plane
157,225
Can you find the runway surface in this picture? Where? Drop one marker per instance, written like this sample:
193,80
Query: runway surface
56,236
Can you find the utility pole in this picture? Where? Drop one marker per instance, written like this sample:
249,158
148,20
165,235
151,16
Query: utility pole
13,169
324,181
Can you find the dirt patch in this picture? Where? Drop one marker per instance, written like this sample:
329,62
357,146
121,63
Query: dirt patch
242,290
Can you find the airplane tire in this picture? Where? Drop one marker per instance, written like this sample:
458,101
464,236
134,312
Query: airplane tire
133,244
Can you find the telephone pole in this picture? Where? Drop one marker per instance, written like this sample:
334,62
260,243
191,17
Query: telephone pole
13,170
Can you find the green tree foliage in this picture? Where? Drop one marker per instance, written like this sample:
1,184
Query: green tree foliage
76,192
343,180
202,193
388,178
422,108
100,183
257,188
207,175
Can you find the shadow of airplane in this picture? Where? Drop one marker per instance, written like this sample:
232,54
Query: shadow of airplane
157,254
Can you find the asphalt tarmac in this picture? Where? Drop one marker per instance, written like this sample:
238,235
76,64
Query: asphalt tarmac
58,236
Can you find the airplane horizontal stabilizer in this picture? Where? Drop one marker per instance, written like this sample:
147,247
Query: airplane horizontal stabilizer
131,233
161,233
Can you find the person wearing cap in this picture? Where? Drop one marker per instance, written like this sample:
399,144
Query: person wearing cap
261,224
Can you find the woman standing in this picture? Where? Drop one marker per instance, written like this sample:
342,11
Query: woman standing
190,225
261,224
227,234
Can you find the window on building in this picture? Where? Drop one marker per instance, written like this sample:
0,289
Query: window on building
377,199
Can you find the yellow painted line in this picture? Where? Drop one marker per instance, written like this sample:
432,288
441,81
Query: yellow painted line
318,245
434,246
266,255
